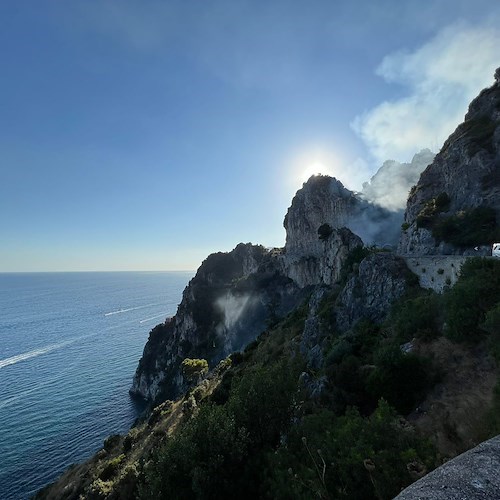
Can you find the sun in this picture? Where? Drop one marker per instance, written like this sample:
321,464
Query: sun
316,168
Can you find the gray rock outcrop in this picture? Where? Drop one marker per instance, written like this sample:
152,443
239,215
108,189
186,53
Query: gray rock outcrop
324,264
473,475
464,175
382,278
322,200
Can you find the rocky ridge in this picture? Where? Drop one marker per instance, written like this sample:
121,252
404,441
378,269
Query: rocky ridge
465,175
236,295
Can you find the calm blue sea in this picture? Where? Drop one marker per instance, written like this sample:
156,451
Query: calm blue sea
69,346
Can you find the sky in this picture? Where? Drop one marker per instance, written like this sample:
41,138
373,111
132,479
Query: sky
145,135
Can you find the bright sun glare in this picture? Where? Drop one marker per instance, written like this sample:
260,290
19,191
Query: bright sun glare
314,169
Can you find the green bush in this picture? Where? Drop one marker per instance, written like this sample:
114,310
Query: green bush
348,457
193,369
477,226
324,231
473,296
201,461
111,468
400,378
427,215
417,317
220,450
111,442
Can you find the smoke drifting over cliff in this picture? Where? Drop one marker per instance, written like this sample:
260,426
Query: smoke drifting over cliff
441,77
390,185
384,200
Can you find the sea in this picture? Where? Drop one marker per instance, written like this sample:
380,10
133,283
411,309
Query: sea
69,347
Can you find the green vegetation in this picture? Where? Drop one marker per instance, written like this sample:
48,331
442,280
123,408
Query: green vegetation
193,369
111,467
473,301
349,457
217,453
324,231
479,133
262,434
477,226
431,209
417,317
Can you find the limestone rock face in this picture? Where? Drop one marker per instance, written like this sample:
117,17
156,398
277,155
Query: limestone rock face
323,266
322,200
224,307
381,279
467,170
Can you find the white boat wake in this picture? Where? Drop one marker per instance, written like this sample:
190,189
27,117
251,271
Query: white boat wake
120,311
33,354
154,317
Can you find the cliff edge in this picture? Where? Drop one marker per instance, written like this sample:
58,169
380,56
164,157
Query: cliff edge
455,206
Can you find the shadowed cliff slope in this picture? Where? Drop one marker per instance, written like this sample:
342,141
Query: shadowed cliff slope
455,206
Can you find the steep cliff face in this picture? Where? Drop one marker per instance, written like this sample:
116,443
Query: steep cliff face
322,200
458,194
235,296
381,279
225,306
324,264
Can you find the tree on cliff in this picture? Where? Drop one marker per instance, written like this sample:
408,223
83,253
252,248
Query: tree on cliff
193,369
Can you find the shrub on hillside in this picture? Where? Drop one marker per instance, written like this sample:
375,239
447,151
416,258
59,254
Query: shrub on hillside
193,369
417,317
348,457
400,378
477,226
473,296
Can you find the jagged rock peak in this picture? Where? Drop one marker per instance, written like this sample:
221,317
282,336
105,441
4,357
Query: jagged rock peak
321,200
461,185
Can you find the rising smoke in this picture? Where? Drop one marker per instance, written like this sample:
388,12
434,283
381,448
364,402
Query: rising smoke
384,200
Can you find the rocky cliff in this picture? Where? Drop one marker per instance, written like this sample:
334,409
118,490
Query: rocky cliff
230,301
382,278
455,205
235,296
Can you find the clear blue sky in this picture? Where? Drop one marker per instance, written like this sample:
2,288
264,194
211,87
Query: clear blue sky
148,134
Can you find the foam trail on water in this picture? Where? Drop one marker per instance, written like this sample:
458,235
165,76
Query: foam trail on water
33,354
153,317
120,311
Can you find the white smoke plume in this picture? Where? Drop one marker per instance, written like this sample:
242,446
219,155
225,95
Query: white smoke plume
390,185
441,77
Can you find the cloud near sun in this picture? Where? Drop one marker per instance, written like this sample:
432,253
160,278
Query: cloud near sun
442,77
